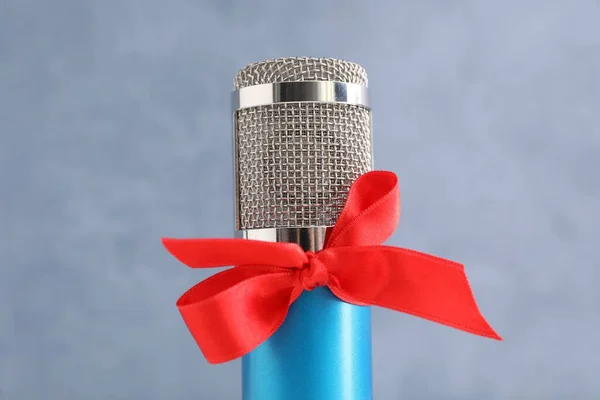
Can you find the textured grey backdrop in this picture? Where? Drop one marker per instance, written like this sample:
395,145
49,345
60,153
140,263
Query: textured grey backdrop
115,131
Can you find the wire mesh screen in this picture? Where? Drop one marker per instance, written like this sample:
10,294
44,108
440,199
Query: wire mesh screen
294,69
296,161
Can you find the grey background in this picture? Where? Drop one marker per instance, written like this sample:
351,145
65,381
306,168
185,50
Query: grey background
115,131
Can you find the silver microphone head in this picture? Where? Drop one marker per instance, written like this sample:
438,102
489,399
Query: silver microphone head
302,135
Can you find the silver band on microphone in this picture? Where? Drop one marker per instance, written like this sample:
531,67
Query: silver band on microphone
310,238
302,91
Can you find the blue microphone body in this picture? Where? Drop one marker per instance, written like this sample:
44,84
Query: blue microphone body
322,351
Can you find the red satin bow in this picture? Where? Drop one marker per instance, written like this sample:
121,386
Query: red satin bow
234,311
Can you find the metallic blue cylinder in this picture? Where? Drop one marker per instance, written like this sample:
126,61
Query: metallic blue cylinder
322,351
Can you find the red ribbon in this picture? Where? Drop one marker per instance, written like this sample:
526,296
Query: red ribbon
234,311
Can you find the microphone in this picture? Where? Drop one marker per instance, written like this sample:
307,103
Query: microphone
302,135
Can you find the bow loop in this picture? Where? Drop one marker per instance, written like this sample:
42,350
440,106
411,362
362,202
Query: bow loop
210,253
371,212
234,311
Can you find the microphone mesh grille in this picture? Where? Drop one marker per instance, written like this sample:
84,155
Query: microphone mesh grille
296,161
294,69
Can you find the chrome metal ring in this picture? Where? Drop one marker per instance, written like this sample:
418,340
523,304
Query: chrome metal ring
309,238
304,91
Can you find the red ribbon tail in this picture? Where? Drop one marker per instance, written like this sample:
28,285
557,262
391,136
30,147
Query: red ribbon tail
407,281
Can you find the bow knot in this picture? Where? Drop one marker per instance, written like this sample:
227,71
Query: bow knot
314,273
233,312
